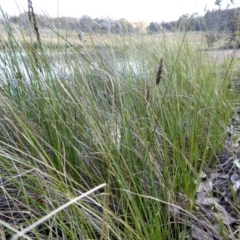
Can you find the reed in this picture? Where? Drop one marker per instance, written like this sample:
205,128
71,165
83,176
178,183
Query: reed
94,115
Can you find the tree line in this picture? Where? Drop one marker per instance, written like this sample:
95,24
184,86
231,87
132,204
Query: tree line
84,24
88,25
214,20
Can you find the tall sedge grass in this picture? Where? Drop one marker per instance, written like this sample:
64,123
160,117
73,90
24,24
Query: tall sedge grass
76,118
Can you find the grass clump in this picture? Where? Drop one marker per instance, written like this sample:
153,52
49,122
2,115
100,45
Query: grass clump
76,118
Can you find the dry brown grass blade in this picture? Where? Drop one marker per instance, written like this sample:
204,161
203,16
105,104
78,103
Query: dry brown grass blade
33,20
160,70
146,95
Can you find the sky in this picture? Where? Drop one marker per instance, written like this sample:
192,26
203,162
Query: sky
132,10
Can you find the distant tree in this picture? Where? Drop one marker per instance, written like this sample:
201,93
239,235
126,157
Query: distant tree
69,23
199,24
43,21
195,23
182,22
234,27
233,24
140,27
87,24
13,19
122,26
23,20
219,3
154,27
166,25
104,24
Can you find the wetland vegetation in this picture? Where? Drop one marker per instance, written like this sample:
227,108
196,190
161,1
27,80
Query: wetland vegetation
133,118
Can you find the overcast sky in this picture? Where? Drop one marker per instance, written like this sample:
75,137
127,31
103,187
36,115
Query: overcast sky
132,10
